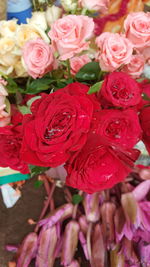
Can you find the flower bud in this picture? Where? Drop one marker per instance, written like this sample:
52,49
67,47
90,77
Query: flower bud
91,206
83,242
107,213
98,248
52,14
141,190
70,242
47,245
130,207
83,224
69,5
38,18
59,214
27,250
74,263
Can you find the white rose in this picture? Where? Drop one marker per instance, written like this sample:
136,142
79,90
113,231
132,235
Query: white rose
52,14
20,70
69,5
38,18
8,28
28,32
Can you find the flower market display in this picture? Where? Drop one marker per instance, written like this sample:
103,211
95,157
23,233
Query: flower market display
75,113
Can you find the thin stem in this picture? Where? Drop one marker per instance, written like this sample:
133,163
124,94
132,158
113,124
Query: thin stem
89,232
74,213
46,205
68,68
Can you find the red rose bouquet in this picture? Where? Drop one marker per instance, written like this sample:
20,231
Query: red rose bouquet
74,105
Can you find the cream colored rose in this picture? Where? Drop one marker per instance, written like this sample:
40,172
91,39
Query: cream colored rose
6,70
7,57
38,18
20,70
8,28
52,14
28,32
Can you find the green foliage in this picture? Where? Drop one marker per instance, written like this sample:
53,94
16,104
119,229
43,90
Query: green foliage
95,88
12,86
89,72
38,85
36,170
38,183
76,199
24,110
145,97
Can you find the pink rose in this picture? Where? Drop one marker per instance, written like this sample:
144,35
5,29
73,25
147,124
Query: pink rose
38,57
135,67
4,116
96,5
137,29
76,63
115,50
69,35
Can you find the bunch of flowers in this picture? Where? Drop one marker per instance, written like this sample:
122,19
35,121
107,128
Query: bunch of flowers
79,100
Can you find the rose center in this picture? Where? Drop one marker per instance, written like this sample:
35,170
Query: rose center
119,91
115,128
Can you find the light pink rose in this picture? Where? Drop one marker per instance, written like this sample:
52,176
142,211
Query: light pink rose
115,50
136,66
137,29
146,53
38,57
4,116
95,5
69,35
76,63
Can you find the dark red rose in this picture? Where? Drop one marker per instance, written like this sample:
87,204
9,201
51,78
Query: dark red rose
59,125
120,90
98,166
10,145
145,124
120,127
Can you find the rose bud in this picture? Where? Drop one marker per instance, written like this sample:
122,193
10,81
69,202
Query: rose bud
130,207
47,246
83,242
116,259
59,214
108,228
74,263
141,190
38,19
52,14
70,242
98,248
27,250
91,207
69,5
83,224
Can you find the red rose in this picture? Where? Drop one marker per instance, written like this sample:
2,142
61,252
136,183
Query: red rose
10,145
98,166
58,126
145,124
120,127
120,90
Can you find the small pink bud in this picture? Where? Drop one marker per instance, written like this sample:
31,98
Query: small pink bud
98,248
141,190
60,214
91,206
108,228
130,207
70,242
27,250
83,224
83,242
47,245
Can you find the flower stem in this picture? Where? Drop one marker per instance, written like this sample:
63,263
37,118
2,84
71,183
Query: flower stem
68,68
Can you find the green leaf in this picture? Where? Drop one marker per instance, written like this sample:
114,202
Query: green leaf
95,88
90,71
29,102
24,110
11,86
39,85
145,97
76,199
38,183
36,170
